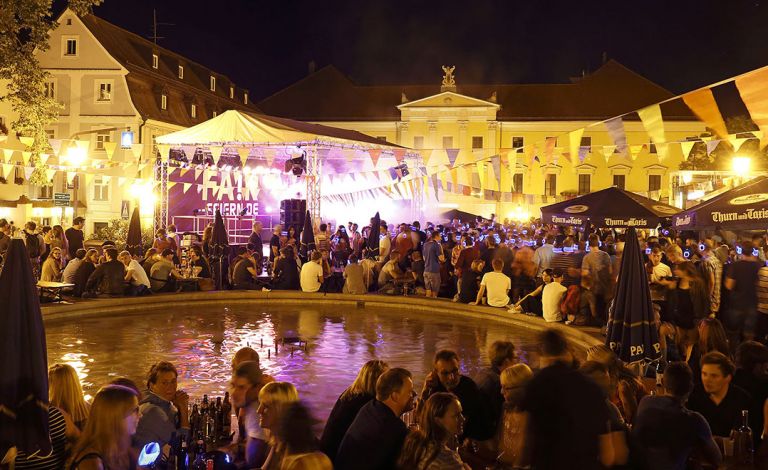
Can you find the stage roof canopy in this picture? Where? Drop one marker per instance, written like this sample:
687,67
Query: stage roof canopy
251,129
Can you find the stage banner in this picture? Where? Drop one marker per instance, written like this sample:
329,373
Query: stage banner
704,106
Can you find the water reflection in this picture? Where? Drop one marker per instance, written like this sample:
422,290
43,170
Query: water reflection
201,342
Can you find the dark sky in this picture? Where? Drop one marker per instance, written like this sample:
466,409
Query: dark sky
266,45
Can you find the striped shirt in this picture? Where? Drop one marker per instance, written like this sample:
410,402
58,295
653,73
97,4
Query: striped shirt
57,429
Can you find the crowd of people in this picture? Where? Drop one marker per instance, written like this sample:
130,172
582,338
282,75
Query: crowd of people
565,413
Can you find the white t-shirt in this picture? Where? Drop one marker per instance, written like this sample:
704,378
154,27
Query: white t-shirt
385,245
309,275
138,275
659,271
497,286
550,301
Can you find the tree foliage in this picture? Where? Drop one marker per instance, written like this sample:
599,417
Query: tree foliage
24,30
720,157
117,231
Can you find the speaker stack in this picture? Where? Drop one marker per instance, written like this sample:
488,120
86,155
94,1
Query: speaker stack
292,212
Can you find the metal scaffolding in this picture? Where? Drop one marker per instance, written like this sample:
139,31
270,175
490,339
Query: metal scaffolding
313,178
161,208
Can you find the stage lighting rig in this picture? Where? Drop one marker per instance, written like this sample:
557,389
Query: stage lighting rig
400,171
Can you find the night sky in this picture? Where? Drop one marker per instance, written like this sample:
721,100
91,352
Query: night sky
267,45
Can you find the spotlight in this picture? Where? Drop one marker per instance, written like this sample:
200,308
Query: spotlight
399,171
296,165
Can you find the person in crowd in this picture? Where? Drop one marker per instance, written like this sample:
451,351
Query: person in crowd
52,266
75,236
108,279
5,236
292,237
354,277
68,274
431,446
106,439
552,297
417,271
247,380
542,257
84,272
666,431
385,243
626,388
150,258
687,303
432,253
286,271
509,437
340,247
761,327
255,245
564,429
711,336
200,265
531,303
445,377
717,399
126,382
164,242
66,394
164,409
274,398
344,411
597,266
741,280
496,284
467,256
35,246
658,273
404,245
61,431
56,239
502,355
173,235
375,437
135,276
311,277
163,273
323,241
569,262
244,272
470,282
714,270
295,432
206,241
523,273
390,272
752,376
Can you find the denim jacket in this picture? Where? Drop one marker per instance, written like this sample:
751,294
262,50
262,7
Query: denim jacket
159,419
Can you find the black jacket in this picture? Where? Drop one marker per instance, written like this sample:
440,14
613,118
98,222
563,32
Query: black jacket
373,441
108,278
342,415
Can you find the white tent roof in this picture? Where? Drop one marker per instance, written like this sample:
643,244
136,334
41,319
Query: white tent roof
242,128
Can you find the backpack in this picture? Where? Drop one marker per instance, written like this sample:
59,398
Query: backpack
571,302
33,245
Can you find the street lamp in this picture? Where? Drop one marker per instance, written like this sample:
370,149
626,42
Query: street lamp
76,157
741,166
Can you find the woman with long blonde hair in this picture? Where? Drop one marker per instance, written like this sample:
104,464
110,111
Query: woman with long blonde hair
362,390
65,393
273,398
106,439
512,424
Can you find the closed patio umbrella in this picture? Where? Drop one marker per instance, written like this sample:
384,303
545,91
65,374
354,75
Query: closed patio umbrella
372,243
632,333
23,358
307,237
219,251
133,240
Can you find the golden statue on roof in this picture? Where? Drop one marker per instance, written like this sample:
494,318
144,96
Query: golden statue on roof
448,80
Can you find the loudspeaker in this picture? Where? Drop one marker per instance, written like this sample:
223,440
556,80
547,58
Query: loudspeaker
292,212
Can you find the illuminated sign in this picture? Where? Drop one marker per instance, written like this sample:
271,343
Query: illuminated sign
126,139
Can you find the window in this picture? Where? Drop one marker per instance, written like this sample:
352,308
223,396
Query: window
550,185
418,141
245,97
517,142
70,47
381,138
104,93
231,92
586,141
98,226
585,183
102,137
477,141
155,61
100,189
46,192
447,142
181,72
50,134
193,111
163,101
213,83
49,89
654,182
215,114
69,21
652,149
619,181
517,183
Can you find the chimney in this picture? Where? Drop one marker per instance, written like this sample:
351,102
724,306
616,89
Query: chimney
311,66
605,56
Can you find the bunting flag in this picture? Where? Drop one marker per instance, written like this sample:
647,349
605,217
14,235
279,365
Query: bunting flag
435,186
7,168
452,154
55,145
662,150
186,187
481,174
269,156
653,123
615,128
711,145
549,147
754,94
49,174
634,150
164,152
110,147
83,145
686,148
583,151
136,150
374,154
399,155
70,177
455,178
704,106
243,152
574,144
737,143
25,157
44,158
608,150
28,172
27,141
170,184
8,155
496,166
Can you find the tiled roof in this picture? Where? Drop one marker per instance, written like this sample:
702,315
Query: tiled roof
612,90
144,82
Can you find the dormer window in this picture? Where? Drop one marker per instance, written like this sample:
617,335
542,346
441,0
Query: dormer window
245,97
193,111
181,72
231,92
155,61
163,101
213,83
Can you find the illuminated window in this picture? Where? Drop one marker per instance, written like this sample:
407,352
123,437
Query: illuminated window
585,184
181,72
163,101
193,111
101,138
70,47
517,183
213,83
49,89
155,61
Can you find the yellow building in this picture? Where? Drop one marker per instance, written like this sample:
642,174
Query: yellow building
474,122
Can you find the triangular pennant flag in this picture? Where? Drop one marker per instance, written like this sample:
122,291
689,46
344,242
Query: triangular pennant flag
711,145
70,176
608,150
374,154
49,174
425,157
106,179
753,93
170,184
83,145
574,144
703,104
686,147
110,147
481,173
44,158
549,147
243,152
634,150
653,123
662,150
615,128
8,155
455,178
55,145
186,187
165,151
737,143
28,172
136,150
25,157
7,168
399,155
27,141
189,151
269,156
452,154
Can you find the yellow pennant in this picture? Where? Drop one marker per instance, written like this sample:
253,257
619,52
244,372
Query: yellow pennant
110,147
7,155
186,187
164,152
574,144
136,150
27,141
26,156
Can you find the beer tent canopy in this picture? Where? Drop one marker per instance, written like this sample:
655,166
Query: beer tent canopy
611,207
744,207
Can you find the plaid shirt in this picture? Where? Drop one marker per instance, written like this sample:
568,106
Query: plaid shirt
715,267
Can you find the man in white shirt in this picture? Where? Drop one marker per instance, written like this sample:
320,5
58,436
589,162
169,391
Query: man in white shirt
312,273
496,284
134,273
385,243
552,297
657,271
